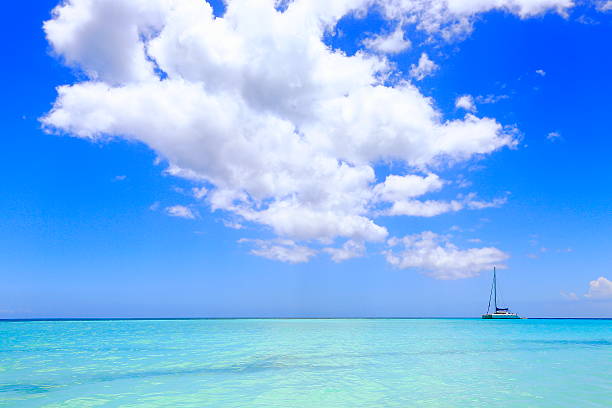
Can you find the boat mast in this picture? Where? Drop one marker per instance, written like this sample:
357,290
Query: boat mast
495,287
491,292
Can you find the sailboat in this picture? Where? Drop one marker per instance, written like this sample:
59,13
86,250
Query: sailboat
500,312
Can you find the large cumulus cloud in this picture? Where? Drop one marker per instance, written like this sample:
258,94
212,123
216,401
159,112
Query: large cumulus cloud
283,130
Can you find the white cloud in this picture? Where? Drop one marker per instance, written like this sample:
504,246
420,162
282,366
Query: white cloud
540,72
600,288
180,211
119,178
284,131
554,136
466,102
453,19
605,5
429,208
392,43
432,208
350,249
306,123
280,250
424,68
435,256
116,56
523,8
402,187
473,203
491,98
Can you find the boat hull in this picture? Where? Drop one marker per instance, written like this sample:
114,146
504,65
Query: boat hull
500,316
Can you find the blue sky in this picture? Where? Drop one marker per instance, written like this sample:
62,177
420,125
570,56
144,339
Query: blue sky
85,228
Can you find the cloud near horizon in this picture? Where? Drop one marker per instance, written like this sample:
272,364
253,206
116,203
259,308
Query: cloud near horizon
278,128
600,288
435,256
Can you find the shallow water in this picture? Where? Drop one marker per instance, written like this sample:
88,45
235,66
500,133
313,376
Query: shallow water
306,363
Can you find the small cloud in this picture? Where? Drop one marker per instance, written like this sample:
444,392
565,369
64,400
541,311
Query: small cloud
432,208
600,288
455,228
475,240
199,192
569,295
425,68
491,98
282,250
605,5
180,211
119,178
472,203
350,249
584,19
540,72
565,250
428,208
154,206
175,171
392,43
233,225
532,256
465,102
462,182
553,136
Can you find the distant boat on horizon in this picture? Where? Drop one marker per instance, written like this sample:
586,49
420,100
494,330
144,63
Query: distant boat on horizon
500,312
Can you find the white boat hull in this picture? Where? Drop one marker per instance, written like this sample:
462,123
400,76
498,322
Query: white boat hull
500,316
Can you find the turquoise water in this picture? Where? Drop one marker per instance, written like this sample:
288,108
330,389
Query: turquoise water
307,363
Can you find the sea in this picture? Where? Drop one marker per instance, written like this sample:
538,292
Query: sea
315,363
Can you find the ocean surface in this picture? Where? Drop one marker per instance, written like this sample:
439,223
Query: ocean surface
306,363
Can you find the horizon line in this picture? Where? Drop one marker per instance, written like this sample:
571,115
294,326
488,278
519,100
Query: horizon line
55,319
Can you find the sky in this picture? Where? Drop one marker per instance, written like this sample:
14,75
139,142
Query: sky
360,158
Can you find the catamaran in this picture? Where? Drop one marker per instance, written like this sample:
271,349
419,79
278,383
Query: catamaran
500,312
